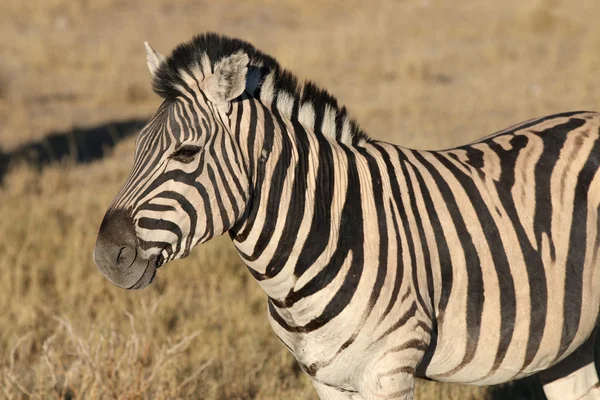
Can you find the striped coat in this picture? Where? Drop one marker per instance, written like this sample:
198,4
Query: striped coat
476,264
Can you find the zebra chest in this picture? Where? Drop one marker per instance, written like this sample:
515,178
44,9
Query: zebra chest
323,353
314,358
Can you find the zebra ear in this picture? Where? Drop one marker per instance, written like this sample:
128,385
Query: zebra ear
229,79
153,58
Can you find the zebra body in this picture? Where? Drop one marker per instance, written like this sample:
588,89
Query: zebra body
476,264
429,200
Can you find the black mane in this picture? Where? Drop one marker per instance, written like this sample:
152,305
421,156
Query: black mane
213,47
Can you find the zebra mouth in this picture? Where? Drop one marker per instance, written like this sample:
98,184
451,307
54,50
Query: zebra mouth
160,260
147,277
149,274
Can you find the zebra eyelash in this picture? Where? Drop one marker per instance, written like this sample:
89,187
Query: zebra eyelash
185,154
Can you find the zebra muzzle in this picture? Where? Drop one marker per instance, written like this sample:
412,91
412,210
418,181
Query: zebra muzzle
117,254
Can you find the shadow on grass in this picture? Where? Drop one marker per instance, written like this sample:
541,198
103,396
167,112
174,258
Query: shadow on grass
80,145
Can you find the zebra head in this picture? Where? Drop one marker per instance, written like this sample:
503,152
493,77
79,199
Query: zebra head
188,182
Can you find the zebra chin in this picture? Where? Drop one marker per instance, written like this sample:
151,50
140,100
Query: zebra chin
118,255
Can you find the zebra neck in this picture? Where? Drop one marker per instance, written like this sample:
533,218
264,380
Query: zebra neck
292,172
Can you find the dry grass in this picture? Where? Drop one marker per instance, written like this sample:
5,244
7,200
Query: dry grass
424,73
65,330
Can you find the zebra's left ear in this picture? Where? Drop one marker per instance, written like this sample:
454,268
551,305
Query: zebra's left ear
153,58
229,79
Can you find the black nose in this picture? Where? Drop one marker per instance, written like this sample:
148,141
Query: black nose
117,253
116,239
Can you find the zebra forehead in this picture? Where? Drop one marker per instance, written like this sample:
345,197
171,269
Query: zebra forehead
167,125
267,81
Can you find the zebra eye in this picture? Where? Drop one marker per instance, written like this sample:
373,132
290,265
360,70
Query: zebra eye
186,154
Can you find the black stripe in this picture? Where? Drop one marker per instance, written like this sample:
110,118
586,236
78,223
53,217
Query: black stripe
572,305
553,140
446,271
146,245
161,224
400,323
275,192
294,216
399,273
382,263
218,197
185,124
527,124
410,242
256,182
317,238
538,292
425,305
150,162
238,134
350,241
225,179
156,207
226,156
506,286
395,205
188,208
376,181
472,261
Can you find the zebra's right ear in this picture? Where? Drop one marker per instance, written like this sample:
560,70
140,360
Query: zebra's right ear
153,58
229,78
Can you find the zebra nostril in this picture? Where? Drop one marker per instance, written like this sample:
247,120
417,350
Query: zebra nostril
120,254
116,247
126,256
117,254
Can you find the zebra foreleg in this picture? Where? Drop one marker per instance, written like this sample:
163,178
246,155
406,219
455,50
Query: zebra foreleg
575,377
385,383
329,393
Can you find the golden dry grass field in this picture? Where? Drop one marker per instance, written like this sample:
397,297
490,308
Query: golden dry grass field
422,73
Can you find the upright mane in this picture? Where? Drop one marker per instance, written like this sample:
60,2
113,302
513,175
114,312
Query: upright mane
267,81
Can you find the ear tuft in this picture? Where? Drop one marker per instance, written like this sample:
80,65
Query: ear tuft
153,58
229,79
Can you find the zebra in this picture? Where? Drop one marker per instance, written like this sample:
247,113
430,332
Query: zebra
476,264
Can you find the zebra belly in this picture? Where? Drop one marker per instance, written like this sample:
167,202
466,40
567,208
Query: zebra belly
509,370
527,352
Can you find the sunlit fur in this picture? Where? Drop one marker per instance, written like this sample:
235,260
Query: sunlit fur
177,205
477,264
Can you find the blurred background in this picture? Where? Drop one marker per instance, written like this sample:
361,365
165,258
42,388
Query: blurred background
75,90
